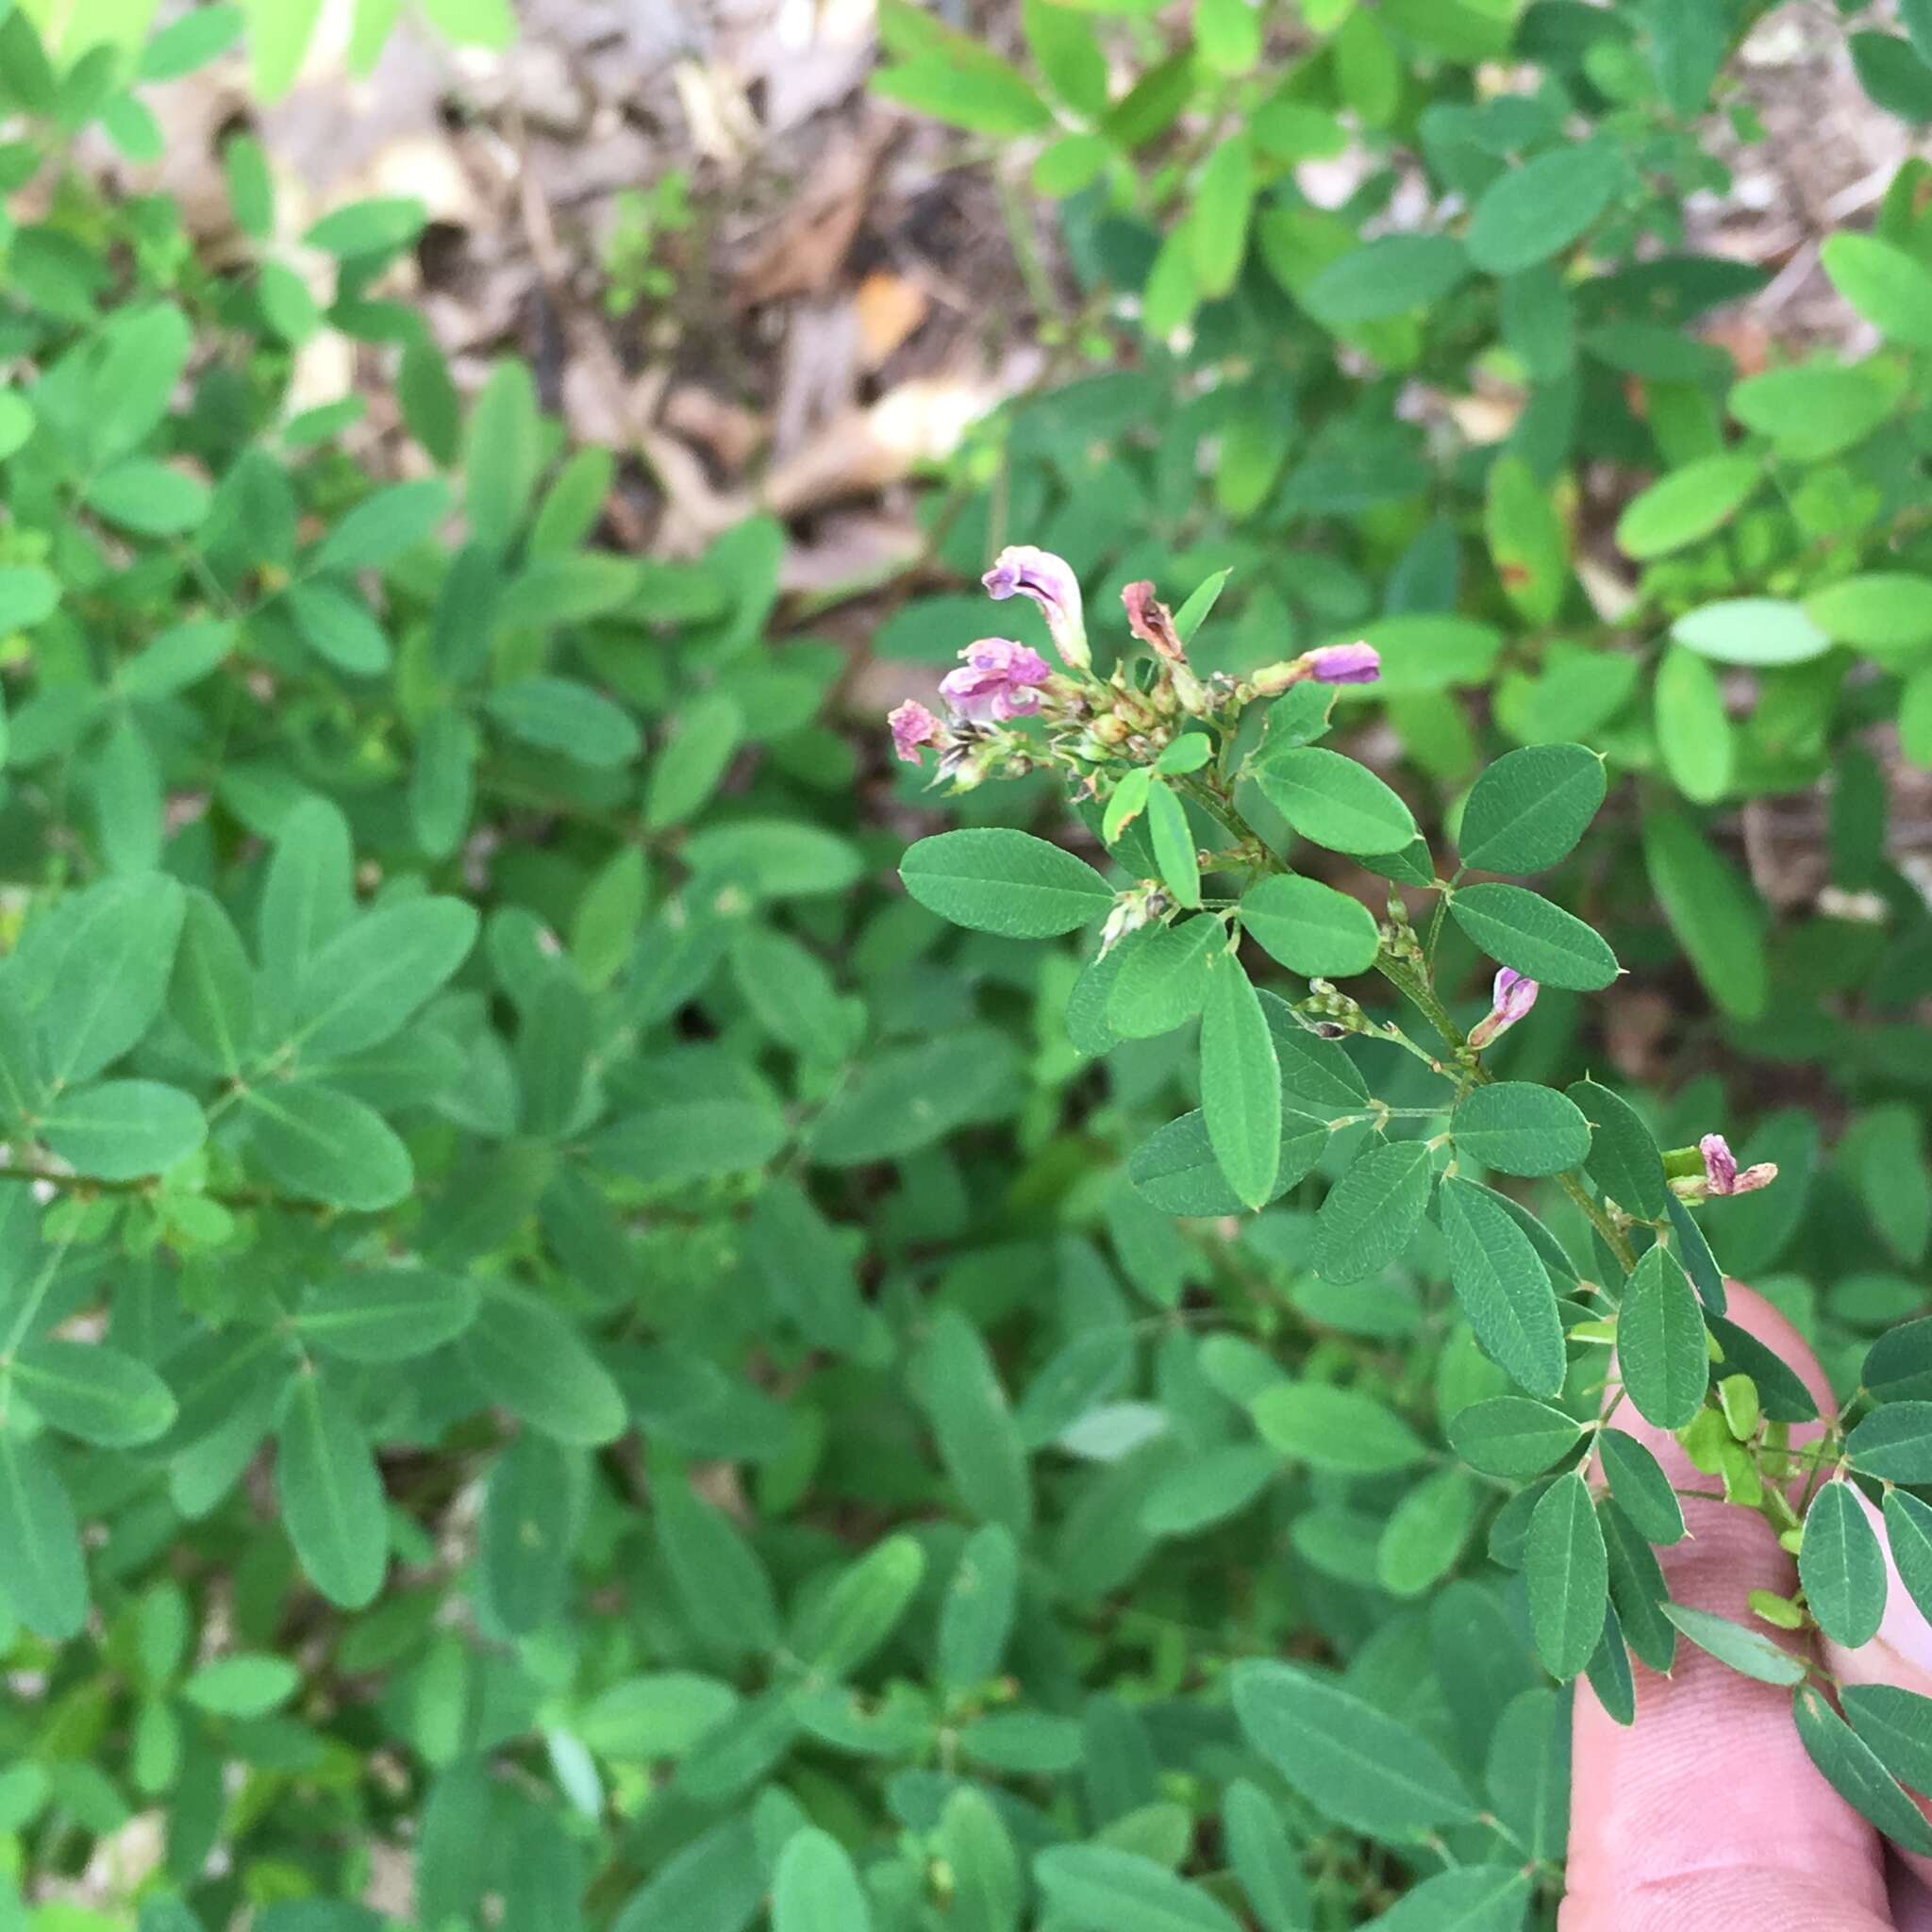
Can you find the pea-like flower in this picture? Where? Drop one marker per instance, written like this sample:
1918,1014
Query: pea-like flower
1022,570
1722,1175
1357,663
996,683
913,727
1511,998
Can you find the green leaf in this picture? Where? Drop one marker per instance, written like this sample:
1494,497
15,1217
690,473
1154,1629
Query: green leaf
1890,289
1102,1889
842,1626
1390,275
1567,1573
330,1495
1217,224
211,990
654,1716
1372,1211
1163,978
977,1617
1317,1077
310,895
91,1391
1700,1263
179,657
693,759
913,1095
1265,1858
1005,882
386,1314
46,1584
363,985
1695,732
1758,631
243,1686
188,42
1534,211
1503,1286
142,355
1894,1443
1521,929
533,1510
1712,910
1338,1429
1841,1566
559,714
1687,505
101,968
1309,927
1425,1533
1896,1725
1472,1898
1854,1770
378,226
29,594
1661,1348
1241,1083
1881,612
1623,1161
1747,1651
1529,808
979,1850
1517,1127
1175,1169
1642,1488
1509,1435
1351,1762
720,1579
150,498
119,1130
1898,1366
1334,802
527,1356
1173,840
971,89
1816,409
816,1887
322,1144
383,525
978,1443
336,626
776,858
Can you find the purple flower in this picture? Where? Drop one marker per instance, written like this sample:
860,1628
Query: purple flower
1021,570
1511,998
1720,1172
913,725
1358,663
996,682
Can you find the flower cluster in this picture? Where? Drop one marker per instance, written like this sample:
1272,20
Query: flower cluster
1090,722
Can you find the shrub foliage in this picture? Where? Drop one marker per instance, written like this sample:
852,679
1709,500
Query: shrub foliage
572,1355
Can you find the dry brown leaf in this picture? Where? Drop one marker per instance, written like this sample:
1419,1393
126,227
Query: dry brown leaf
890,306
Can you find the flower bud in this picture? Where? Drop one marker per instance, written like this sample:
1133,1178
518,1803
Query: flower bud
1511,997
1357,663
1024,570
1721,1173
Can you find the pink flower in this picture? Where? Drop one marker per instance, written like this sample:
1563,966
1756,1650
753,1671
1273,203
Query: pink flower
1721,1175
1151,620
996,682
1511,998
913,725
1021,570
1358,663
